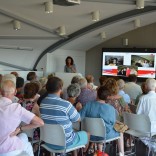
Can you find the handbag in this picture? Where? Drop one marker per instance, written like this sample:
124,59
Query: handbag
120,127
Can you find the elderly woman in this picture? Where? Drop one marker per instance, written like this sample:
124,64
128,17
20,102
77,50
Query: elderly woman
114,99
100,109
73,92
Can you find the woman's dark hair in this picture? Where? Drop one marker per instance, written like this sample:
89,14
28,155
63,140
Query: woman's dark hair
72,61
103,93
29,90
19,82
54,84
31,76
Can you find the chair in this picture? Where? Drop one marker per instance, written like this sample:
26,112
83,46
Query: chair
96,127
139,126
54,134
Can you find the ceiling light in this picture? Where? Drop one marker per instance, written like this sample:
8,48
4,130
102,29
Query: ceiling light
137,23
96,15
16,25
103,35
62,30
48,7
140,4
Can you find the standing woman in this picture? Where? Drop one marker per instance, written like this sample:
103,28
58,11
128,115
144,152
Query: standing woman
70,66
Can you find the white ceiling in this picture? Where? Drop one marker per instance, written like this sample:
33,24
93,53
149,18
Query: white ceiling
38,29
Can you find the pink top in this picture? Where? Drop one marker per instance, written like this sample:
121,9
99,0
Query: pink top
11,115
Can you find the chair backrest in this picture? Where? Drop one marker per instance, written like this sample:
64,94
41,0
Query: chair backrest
138,122
95,126
53,134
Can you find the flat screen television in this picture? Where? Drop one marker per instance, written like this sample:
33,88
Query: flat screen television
123,62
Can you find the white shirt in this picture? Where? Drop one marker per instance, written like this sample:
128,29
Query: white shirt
147,106
132,89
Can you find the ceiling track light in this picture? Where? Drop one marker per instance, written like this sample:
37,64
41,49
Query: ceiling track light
48,7
62,30
137,23
96,15
16,25
103,35
140,4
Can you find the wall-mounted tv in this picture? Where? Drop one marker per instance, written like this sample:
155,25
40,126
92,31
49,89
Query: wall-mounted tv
123,62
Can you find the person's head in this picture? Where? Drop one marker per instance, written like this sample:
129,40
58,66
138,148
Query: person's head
90,78
73,90
54,85
83,83
111,86
43,81
132,78
9,77
121,84
151,84
103,93
15,73
19,82
144,88
69,60
8,89
76,79
31,76
30,90
102,80
115,60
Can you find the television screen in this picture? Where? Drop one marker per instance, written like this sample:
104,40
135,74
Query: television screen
123,62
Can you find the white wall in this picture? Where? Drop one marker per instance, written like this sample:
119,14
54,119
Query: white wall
56,60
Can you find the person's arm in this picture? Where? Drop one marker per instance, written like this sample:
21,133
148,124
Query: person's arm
36,110
35,122
65,69
73,68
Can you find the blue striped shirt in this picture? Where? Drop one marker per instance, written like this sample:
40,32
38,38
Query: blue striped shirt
55,110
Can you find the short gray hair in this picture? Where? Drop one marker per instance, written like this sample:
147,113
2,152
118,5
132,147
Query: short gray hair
83,83
121,83
151,84
73,90
76,79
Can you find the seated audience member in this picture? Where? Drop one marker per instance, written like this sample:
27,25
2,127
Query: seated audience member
55,110
100,109
121,85
43,82
86,94
146,106
131,88
73,92
102,80
90,81
115,100
12,78
15,73
12,141
29,99
74,80
144,92
31,76
19,87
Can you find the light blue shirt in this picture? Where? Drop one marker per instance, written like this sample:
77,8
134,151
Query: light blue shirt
125,96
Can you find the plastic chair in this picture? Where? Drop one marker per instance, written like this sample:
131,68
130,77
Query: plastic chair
96,127
54,134
139,126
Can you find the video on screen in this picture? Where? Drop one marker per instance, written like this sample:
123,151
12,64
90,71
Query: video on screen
113,60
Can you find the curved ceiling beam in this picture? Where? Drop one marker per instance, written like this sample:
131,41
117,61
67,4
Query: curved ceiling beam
90,28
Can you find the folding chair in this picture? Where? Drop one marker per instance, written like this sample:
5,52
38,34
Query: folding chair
54,134
139,126
96,127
